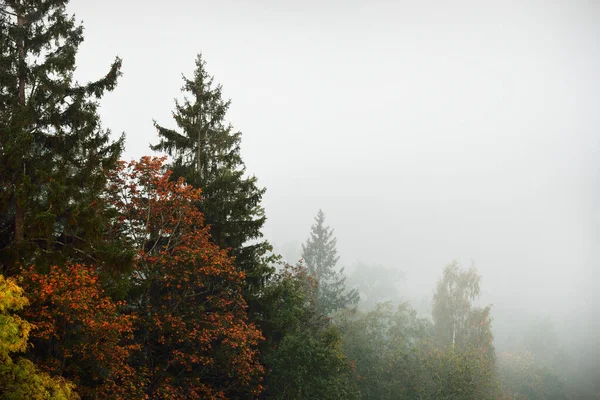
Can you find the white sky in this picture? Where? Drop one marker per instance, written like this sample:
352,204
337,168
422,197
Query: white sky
426,131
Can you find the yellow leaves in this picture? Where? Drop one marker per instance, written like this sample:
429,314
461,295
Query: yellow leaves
14,331
11,295
20,378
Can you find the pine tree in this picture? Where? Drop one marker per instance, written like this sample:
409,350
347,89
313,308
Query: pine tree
320,255
206,152
53,152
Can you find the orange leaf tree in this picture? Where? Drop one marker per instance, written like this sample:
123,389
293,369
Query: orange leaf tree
192,327
79,332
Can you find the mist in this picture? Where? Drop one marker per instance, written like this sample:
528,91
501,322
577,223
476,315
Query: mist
426,131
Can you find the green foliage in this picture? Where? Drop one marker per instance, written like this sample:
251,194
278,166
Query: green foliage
465,359
397,358
320,255
289,305
310,367
302,350
20,379
383,344
53,151
206,152
525,378
458,323
399,355
456,374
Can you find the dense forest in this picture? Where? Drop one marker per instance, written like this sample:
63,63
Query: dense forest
151,279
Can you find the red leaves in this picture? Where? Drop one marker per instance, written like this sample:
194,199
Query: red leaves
80,330
197,342
184,333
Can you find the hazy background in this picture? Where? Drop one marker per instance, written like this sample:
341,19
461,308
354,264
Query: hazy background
427,131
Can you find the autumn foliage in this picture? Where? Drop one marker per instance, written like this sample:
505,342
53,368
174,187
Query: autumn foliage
182,331
79,332
19,377
191,325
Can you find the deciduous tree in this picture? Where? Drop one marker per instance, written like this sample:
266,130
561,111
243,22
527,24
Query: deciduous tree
19,378
464,350
458,322
192,327
80,333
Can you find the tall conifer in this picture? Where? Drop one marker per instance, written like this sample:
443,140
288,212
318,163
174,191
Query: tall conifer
53,152
205,150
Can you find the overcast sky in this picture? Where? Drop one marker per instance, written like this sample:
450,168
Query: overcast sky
426,130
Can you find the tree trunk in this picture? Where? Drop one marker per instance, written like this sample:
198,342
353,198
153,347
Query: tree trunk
453,334
19,211
199,144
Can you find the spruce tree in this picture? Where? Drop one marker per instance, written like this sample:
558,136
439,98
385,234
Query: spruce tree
53,152
320,255
206,152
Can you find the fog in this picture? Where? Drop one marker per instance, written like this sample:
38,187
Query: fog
426,131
